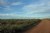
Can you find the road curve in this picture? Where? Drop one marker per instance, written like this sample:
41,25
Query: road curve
42,27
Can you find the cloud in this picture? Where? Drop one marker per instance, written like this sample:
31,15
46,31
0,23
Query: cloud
36,8
17,3
0,7
12,16
6,2
7,14
7,8
3,3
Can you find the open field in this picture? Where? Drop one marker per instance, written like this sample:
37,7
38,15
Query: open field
17,25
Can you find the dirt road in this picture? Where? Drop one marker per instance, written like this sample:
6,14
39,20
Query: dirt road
43,27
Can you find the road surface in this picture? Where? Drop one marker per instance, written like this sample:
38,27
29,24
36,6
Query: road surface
42,27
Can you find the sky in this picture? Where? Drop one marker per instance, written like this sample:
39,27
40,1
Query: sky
18,9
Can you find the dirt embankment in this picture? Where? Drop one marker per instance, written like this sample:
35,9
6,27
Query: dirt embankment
42,27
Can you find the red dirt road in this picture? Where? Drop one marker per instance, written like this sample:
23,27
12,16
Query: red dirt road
42,27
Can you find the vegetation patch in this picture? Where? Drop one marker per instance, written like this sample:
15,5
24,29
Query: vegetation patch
17,25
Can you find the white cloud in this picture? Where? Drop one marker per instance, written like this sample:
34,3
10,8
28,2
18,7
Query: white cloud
8,15
28,10
0,7
36,8
3,3
17,3
7,8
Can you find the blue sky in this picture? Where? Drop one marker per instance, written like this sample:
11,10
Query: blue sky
24,9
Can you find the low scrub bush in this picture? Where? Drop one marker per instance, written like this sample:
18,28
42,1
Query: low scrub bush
17,25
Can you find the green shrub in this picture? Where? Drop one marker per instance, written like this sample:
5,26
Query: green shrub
18,24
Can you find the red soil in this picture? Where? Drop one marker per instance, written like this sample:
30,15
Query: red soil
42,27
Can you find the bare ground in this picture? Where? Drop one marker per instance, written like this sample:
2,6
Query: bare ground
42,27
